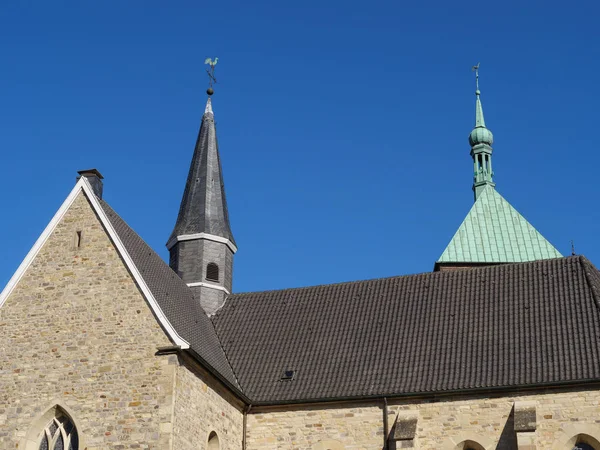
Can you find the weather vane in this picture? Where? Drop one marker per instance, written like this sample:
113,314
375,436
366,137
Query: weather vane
476,70
211,74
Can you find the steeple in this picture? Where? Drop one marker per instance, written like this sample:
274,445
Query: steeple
481,140
202,245
204,207
493,232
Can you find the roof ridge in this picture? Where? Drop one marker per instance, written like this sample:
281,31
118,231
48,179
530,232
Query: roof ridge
420,274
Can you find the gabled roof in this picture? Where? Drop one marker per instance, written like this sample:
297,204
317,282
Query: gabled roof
170,299
204,206
502,326
174,297
495,232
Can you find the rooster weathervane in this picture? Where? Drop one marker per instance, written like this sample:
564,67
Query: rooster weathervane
211,74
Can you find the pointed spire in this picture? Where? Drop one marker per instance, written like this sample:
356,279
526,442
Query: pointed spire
479,120
481,140
208,109
480,134
203,206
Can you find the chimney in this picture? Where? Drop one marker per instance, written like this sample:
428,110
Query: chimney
94,178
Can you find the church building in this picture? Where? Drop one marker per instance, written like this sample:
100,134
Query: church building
106,346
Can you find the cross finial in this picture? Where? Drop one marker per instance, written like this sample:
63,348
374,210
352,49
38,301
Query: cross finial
476,70
211,74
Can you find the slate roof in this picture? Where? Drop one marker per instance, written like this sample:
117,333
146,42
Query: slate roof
175,299
495,232
513,325
204,206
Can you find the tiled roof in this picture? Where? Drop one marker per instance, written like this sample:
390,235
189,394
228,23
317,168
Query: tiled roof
174,297
497,326
500,326
495,232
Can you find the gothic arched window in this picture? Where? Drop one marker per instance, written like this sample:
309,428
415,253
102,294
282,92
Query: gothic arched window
213,441
212,272
59,434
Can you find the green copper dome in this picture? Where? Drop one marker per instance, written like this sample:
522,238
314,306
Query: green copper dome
481,135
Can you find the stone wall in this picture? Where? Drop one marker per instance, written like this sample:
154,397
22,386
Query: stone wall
77,332
443,423
202,406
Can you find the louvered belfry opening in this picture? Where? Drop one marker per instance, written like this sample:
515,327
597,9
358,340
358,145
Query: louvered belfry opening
212,272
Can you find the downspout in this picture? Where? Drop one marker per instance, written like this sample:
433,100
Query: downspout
245,425
385,424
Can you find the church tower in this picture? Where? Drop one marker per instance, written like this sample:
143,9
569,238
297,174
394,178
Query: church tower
202,245
493,232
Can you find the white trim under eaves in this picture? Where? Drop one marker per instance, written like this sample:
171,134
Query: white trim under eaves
207,236
84,185
208,285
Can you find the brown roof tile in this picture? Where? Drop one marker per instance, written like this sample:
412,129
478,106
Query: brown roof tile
501,326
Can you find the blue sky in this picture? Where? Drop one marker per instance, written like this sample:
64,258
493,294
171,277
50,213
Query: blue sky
342,125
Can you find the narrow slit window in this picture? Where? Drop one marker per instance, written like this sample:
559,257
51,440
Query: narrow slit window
78,238
212,272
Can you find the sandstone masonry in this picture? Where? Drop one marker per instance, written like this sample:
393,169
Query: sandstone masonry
77,332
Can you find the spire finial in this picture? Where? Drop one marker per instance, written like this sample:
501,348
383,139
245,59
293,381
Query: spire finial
476,70
481,140
211,74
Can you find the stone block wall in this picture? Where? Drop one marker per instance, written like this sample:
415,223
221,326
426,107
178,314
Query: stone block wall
356,426
443,423
202,406
77,332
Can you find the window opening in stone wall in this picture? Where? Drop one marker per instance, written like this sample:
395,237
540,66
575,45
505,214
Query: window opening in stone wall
213,441
584,442
59,434
469,445
583,447
78,236
212,272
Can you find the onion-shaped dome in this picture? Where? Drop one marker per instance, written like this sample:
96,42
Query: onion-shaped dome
481,135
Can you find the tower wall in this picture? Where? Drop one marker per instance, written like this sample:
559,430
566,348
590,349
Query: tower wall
190,260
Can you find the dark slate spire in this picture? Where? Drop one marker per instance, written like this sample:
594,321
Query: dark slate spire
204,207
201,246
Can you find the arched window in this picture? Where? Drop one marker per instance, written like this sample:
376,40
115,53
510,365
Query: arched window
584,442
469,445
59,434
212,272
213,441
